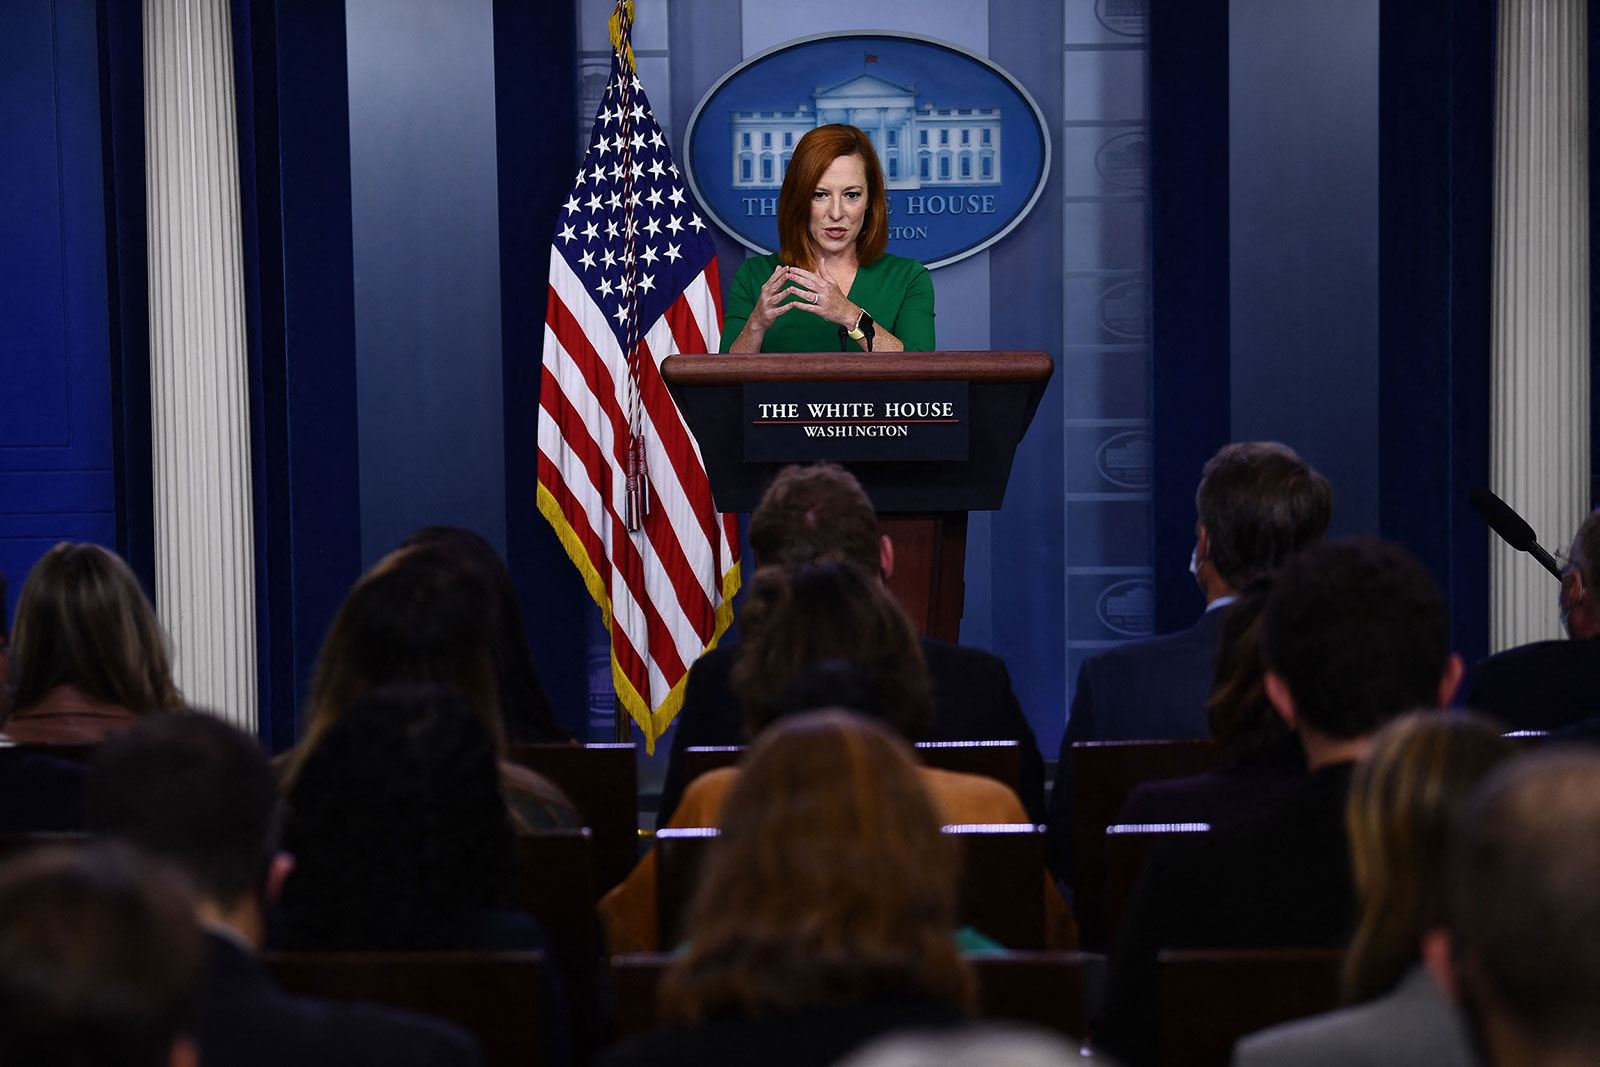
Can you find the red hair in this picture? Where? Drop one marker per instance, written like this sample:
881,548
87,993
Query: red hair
812,156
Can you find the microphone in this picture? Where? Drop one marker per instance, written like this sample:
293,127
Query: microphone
1511,527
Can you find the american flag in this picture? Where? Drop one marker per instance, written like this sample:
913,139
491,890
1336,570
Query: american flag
633,279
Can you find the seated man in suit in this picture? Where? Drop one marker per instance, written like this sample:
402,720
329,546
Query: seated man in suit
1523,952
1258,504
195,792
821,510
1355,632
98,960
1552,685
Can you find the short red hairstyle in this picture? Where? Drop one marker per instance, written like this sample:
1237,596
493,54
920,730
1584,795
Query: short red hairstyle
812,156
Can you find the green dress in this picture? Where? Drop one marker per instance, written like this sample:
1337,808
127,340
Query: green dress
895,291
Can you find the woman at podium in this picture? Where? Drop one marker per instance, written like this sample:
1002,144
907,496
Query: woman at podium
831,286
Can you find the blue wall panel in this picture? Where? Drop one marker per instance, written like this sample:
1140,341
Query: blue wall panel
55,360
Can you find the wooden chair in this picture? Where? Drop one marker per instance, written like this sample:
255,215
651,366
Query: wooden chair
1000,760
1127,845
698,759
493,995
603,781
1103,774
636,990
1002,882
555,884
1212,997
680,853
1039,988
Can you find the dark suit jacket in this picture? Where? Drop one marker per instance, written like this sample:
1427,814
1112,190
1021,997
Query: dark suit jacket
972,701
243,1019
1548,685
1144,690
1282,880
40,794
812,1038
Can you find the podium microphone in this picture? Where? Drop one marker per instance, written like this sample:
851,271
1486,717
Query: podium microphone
1511,527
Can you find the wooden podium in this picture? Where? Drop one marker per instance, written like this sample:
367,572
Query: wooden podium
924,474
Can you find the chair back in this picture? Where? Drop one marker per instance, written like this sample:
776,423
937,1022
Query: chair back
1103,774
1212,997
603,781
1002,881
1127,845
495,996
680,854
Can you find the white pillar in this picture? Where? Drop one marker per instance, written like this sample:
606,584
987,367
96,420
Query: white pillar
200,414
1539,438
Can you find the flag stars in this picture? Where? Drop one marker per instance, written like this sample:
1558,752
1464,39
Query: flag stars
696,222
637,169
590,232
656,169
654,198
598,175
621,314
676,196
616,171
605,286
656,140
637,140
675,224
567,234
611,229
673,167
637,112
609,259
594,201
652,226
572,203
615,199
673,254
647,283
650,255
587,259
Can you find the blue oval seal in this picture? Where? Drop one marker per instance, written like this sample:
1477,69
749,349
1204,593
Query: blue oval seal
965,149
1128,607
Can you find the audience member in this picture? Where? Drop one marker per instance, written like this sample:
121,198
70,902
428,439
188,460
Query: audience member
415,618
821,511
198,794
1354,633
826,912
523,703
1550,685
1265,761
829,632
1258,504
90,656
98,960
1404,800
1524,918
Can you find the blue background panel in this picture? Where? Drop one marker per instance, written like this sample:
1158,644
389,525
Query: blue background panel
55,372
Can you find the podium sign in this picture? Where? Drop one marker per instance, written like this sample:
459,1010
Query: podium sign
920,422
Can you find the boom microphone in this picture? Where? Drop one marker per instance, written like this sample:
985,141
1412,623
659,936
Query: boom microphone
1511,527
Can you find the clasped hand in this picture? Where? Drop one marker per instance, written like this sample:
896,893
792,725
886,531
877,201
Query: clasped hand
796,287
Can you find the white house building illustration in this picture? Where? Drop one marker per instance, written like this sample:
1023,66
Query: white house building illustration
943,147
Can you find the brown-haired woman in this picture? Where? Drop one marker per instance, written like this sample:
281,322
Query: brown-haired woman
90,656
830,267
418,617
1405,796
826,912
823,634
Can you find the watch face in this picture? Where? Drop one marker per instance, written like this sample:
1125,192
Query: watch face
864,321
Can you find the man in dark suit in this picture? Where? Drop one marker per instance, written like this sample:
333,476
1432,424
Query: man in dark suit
1552,685
1355,633
822,510
193,791
1523,952
1258,503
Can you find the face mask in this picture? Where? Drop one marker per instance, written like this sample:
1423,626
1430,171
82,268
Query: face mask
1194,562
